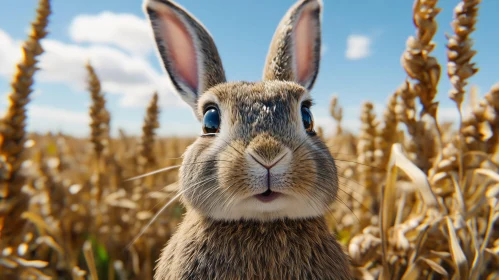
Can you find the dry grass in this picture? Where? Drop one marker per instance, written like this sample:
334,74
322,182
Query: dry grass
420,199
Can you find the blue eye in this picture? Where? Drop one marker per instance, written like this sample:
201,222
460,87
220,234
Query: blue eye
211,121
308,119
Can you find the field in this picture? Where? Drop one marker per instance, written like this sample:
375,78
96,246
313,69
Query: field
418,197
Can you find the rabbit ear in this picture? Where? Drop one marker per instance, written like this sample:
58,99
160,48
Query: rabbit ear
295,50
189,54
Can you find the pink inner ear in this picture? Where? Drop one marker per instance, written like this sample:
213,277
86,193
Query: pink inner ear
304,47
181,49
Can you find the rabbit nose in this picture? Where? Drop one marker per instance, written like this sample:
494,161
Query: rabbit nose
266,151
268,166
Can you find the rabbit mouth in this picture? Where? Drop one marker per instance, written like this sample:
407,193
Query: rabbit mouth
267,196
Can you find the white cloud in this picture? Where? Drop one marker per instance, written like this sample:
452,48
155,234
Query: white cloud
126,31
327,124
451,114
120,73
56,114
4,99
351,125
184,128
324,49
45,118
358,47
448,114
10,53
128,75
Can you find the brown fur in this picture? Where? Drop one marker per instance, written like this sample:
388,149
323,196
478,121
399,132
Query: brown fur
268,248
228,232
286,249
218,168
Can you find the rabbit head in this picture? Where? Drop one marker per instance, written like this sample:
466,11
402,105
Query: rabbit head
259,157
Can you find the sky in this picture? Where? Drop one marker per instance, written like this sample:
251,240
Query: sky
362,44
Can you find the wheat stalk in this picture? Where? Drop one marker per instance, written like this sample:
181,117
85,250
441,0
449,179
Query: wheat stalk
492,117
99,115
336,111
459,55
90,259
416,60
13,123
460,52
366,149
387,134
99,136
424,70
475,129
151,123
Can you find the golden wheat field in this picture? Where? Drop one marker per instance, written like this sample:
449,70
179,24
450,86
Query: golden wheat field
420,197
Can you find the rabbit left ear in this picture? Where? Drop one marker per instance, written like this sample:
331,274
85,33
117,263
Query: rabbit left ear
294,53
189,54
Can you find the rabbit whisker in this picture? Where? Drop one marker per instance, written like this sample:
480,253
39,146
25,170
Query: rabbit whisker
344,160
170,168
311,184
153,219
163,209
229,199
239,152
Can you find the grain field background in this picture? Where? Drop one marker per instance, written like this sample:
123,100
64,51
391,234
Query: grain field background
418,199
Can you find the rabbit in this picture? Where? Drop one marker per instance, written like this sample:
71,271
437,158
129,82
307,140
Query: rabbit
258,182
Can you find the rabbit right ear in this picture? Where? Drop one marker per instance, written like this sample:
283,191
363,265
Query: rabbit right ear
189,54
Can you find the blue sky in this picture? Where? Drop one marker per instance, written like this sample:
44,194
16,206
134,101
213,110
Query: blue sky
114,35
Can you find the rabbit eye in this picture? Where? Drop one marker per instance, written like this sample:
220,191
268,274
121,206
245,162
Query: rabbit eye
211,121
308,119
